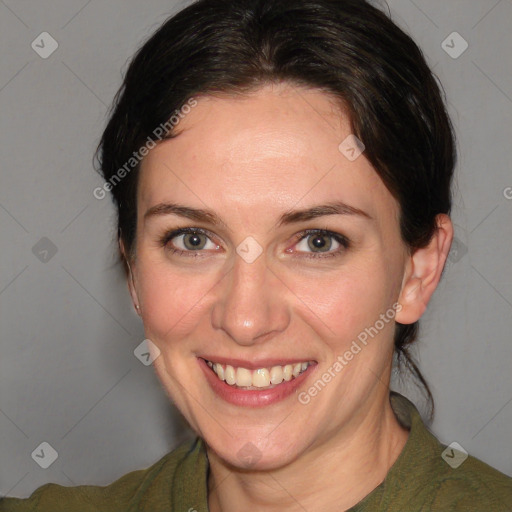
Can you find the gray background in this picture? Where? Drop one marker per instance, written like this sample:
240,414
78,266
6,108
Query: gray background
68,375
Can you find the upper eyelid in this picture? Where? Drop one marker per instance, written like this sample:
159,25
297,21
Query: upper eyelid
173,233
322,231
341,239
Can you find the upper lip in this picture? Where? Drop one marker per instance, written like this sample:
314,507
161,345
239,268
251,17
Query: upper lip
255,364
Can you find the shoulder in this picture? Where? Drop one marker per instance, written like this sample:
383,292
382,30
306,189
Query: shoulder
472,486
137,487
431,476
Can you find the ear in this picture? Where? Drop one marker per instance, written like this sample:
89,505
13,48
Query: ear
423,272
131,279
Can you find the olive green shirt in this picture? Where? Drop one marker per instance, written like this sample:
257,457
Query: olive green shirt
419,480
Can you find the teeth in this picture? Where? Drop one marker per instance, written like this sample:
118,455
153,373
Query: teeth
276,374
230,375
243,377
260,378
219,371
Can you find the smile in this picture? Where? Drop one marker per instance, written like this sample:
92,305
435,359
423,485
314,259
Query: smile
255,383
260,378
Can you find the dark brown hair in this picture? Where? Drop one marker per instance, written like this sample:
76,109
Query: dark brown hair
348,48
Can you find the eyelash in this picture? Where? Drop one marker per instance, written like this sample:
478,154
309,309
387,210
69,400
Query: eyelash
341,239
169,235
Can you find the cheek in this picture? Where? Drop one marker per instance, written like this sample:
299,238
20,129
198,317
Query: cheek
173,301
340,306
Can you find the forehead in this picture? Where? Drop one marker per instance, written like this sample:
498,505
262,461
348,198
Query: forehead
269,149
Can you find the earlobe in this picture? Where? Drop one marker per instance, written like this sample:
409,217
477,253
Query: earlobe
132,289
131,279
423,272
412,305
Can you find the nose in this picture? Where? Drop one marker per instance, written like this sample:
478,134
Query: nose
251,305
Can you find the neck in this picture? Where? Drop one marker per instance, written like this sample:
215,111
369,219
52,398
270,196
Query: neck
335,475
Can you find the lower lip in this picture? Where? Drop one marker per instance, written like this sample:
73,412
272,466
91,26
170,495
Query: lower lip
253,397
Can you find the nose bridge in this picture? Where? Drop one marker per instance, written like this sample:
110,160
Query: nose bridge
249,305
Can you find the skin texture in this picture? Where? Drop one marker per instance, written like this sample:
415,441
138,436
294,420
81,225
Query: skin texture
251,159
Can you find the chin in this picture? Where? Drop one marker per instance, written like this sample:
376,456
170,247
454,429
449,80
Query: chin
256,455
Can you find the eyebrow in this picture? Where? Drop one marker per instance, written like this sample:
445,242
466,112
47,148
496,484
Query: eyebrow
337,208
187,212
291,217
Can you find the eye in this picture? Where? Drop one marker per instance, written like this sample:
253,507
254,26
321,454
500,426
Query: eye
320,243
188,240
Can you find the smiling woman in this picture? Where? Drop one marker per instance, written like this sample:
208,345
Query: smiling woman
281,243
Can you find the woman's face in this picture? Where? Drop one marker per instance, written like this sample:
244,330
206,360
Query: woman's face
296,251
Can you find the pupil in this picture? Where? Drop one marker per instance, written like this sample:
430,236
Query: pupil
321,242
193,241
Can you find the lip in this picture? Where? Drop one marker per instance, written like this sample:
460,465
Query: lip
255,365
253,397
